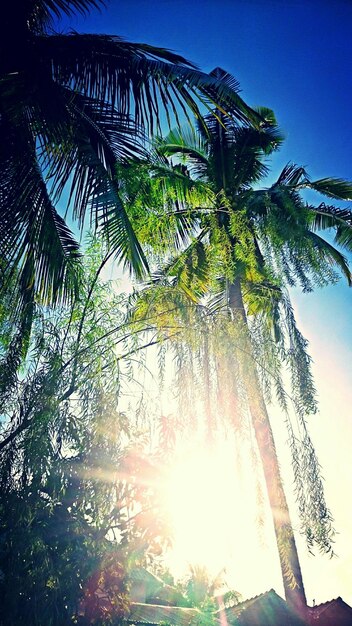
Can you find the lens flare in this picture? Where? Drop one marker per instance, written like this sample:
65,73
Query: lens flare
213,511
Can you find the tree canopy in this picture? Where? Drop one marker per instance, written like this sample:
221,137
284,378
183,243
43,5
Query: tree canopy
71,107
237,247
81,121
75,512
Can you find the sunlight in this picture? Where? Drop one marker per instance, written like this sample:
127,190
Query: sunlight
198,496
213,511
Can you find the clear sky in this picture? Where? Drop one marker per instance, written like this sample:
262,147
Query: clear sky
294,56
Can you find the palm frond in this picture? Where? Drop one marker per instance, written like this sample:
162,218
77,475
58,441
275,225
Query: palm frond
288,206
228,79
190,269
332,255
296,176
332,187
218,298
36,240
118,231
248,149
256,202
272,135
96,138
188,146
33,236
236,152
159,199
324,216
137,78
43,10
177,179
22,20
292,174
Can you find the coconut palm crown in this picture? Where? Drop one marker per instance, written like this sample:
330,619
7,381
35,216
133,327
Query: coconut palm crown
239,246
71,106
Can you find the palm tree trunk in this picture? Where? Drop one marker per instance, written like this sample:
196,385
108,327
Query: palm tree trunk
290,567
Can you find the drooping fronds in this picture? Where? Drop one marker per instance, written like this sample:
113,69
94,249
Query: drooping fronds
330,217
261,240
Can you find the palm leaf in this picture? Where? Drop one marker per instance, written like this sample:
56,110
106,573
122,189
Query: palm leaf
331,254
228,79
296,176
21,20
159,199
340,220
134,77
333,188
190,269
256,202
36,240
219,297
40,13
288,204
292,174
96,139
118,231
235,153
248,149
188,146
33,237
185,182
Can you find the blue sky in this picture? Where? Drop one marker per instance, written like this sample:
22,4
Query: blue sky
294,56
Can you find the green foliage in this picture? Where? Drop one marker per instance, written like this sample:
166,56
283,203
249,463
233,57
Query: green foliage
214,374
197,589
245,246
72,106
75,512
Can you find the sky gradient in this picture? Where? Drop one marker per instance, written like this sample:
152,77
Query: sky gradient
296,58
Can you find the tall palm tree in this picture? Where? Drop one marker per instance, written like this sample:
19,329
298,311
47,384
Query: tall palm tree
248,243
70,108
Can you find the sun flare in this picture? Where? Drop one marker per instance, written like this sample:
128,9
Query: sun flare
213,513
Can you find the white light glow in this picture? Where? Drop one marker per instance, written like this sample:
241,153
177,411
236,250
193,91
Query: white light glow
213,512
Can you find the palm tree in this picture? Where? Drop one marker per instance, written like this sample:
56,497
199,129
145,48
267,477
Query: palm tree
71,106
248,243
